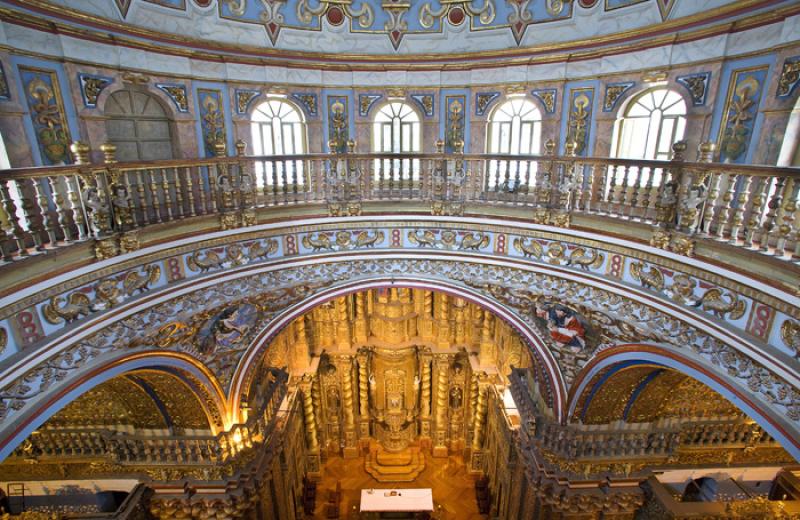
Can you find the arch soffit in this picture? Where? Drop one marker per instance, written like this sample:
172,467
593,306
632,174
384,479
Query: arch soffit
642,295
196,377
620,356
189,287
257,348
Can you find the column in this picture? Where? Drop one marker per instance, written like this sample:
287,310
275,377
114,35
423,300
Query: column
346,366
442,373
425,398
343,341
479,424
363,395
486,355
360,330
310,420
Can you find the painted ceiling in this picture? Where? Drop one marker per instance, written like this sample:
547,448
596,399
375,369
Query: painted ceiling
374,27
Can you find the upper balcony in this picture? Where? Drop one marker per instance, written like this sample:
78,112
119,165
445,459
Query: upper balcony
740,215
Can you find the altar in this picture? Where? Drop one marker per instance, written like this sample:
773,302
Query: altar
396,500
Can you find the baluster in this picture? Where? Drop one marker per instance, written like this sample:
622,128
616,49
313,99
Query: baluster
586,187
622,189
190,192
648,191
178,185
285,180
787,216
635,190
725,209
61,208
156,200
273,168
142,197
44,210
297,172
32,222
17,232
168,202
712,208
212,170
76,205
741,203
754,220
772,212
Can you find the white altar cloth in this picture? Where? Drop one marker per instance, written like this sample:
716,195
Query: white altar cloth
396,500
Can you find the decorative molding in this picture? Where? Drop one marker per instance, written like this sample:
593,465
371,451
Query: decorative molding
548,98
123,6
177,94
425,102
790,77
243,98
366,102
91,87
308,101
614,93
665,8
483,100
697,85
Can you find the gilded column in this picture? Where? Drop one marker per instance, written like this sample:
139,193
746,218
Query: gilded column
425,320
308,412
299,356
363,385
350,449
440,447
343,340
479,420
360,330
443,322
487,351
425,391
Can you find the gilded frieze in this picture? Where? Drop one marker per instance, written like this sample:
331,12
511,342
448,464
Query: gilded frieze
615,93
308,101
548,97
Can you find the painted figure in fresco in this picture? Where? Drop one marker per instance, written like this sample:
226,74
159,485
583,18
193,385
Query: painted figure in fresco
226,330
563,324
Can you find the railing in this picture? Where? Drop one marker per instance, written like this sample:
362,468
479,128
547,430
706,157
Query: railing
752,207
98,443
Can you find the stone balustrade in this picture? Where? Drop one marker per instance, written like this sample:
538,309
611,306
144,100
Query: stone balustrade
752,207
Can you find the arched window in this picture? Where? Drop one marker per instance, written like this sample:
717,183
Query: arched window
515,128
653,121
396,129
278,128
138,125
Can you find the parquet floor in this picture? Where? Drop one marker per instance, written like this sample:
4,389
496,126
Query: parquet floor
453,489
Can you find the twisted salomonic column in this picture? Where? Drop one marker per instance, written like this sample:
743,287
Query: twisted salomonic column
347,390
426,386
363,385
308,413
441,393
360,322
480,416
343,326
350,449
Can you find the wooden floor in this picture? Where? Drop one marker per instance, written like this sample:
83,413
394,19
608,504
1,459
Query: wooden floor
453,489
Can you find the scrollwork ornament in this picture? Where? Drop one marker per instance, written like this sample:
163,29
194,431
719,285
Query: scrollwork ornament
790,335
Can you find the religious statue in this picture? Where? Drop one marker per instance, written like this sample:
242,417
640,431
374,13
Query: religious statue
456,397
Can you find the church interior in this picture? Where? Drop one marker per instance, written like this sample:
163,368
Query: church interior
407,259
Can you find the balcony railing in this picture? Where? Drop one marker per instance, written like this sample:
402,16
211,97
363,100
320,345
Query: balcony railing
753,207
